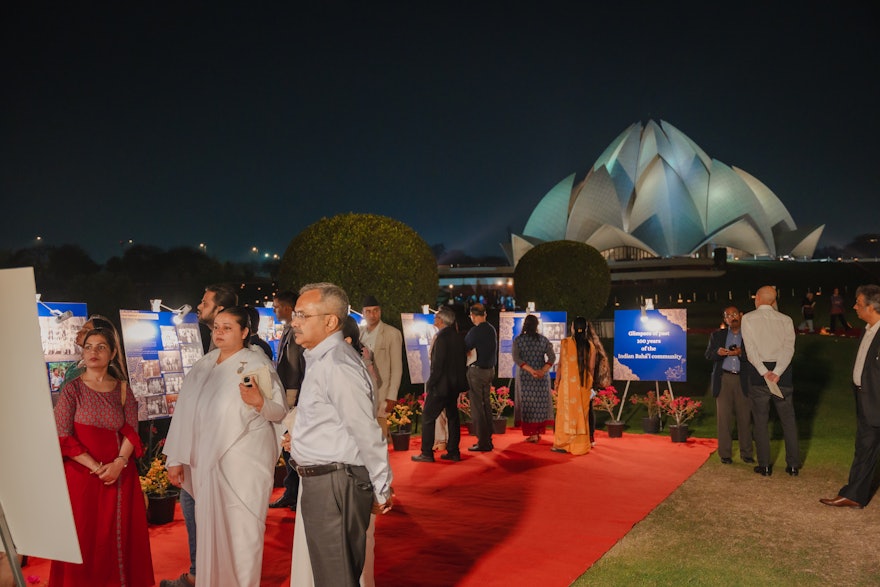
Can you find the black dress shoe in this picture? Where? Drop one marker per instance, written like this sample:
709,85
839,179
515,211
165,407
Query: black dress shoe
478,448
451,457
793,471
285,501
749,460
726,461
420,458
765,471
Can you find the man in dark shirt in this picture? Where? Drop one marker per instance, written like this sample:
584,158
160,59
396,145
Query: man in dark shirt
482,338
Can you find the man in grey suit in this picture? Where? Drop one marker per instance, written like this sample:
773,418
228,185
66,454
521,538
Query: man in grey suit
291,367
866,386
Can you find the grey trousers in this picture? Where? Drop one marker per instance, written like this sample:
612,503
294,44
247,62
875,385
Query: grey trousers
479,381
335,510
732,401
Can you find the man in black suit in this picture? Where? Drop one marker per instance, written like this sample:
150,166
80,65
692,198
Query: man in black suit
866,386
729,385
291,367
448,378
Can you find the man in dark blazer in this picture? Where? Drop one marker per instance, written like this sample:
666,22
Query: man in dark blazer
729,388
866,386
448,378
291,367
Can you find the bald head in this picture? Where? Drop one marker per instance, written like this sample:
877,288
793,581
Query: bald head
766,296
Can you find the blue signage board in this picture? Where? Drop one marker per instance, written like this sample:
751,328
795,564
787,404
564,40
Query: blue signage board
550,324
650,346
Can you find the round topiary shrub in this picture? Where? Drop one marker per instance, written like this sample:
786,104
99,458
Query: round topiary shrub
564,275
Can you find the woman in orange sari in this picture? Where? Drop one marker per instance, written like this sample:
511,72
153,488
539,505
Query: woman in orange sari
579,357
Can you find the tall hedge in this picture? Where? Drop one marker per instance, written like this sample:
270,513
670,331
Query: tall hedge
365,254
564,275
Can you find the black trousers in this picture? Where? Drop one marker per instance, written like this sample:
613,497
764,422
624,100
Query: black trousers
434,406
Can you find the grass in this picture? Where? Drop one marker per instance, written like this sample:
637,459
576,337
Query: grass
727,526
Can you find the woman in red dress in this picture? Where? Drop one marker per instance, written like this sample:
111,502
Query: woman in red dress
97,426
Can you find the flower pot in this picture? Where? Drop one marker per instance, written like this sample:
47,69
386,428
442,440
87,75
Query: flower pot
679,433
400,440
280,474
614,428
160,508
651,425
499,425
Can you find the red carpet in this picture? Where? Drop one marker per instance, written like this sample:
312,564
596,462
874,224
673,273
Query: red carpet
520,515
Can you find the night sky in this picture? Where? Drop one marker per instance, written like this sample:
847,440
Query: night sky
178,124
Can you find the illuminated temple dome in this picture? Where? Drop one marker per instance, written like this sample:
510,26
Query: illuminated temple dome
656,193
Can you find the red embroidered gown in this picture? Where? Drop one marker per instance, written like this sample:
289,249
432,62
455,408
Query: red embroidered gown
111,520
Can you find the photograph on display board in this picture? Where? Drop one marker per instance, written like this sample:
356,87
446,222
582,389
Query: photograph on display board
550,324
158,354
270,328
59,323
418,332
650,345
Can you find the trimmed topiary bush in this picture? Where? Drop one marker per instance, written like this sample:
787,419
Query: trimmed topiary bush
365,254
564,275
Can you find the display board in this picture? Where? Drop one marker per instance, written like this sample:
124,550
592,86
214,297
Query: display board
158,353
550,324
33,488
58,338
418,332
650,346
270,329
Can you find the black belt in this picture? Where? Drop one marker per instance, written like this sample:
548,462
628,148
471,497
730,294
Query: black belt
478,367
731,372
316,470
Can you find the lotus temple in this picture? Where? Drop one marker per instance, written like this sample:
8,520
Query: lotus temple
655,194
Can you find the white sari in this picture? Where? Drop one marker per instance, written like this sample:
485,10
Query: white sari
228,451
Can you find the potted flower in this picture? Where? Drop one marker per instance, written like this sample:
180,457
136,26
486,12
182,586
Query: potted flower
651,423
500,400
400,425
158,491
606,399
682,409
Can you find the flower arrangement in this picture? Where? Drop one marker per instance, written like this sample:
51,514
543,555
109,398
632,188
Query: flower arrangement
606,399
650,401
681,408
400,418
500,400
154,480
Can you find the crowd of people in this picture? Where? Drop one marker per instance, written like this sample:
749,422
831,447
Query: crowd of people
327,395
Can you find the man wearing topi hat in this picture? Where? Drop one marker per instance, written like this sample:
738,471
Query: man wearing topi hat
383,345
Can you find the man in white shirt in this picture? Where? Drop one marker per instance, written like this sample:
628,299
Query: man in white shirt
866,385
768,340
339,449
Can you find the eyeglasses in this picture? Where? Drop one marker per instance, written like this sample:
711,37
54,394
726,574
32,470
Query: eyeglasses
303,316
731,314
98,348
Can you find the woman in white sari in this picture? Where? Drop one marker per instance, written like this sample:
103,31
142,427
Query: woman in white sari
222,447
